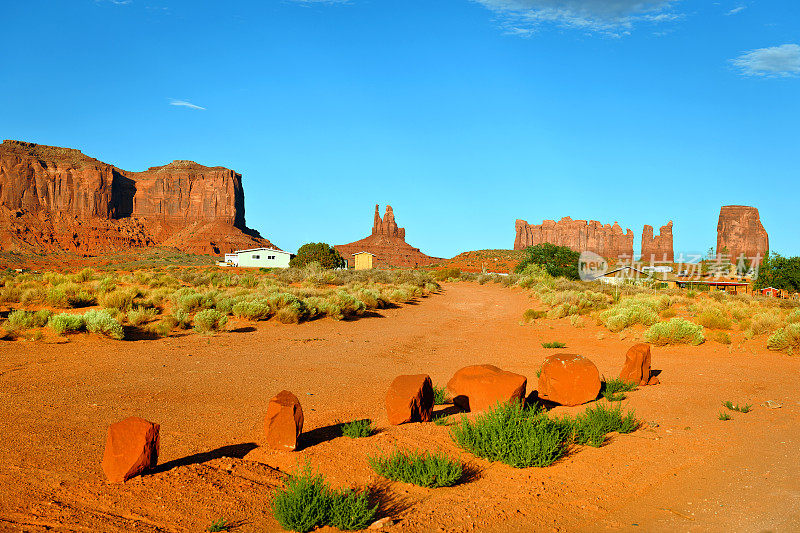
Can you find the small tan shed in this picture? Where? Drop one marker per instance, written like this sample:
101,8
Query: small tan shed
363,260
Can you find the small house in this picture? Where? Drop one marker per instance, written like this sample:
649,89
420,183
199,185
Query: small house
259,258
771,291
363,260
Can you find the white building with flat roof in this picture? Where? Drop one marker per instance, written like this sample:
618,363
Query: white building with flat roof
259,258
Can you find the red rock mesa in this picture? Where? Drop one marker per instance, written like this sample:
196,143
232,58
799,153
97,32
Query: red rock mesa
606,240
658,248
388,243
739,231
60,199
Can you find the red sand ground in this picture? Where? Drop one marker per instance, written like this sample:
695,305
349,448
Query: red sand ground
685,470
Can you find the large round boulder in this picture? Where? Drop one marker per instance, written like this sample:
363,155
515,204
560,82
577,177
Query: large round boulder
568,379
637,366
479,387
131,448
283,422
410,399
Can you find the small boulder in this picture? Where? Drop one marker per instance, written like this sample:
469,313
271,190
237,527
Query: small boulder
568,379
131,448
410,399
637,366
283,422
479,387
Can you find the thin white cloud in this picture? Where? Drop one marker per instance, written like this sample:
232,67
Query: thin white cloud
736,10
610,17
184,103
328,2
115,2
774,62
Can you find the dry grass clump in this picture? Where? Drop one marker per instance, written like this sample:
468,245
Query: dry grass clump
141,315
786,338
763,322
714,318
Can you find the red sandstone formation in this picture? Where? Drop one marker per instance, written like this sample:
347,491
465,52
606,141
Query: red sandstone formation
637,366
387,243
60,199
739,231
658,248
479,387
568,379
131,448
283,422
410,399
579,235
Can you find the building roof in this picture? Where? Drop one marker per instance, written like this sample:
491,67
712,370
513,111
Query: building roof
261,250
361,253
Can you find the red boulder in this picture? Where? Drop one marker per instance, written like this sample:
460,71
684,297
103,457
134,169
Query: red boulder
131,448
410,399
637,366
479,387
568,379
283,422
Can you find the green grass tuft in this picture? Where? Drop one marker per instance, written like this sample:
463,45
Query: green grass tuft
746,408
307,502
676,331
554,344
440,396
613,390
419,468
220,524
358,429
724,416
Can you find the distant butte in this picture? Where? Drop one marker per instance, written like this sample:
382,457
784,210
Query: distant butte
55,198
606,240
739,231
387,243
657,248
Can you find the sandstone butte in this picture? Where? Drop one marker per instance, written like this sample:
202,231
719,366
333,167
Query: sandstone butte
657,248
740,231
606,240
387,243
58,199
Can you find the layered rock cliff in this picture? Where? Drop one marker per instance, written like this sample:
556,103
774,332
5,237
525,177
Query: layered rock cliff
657,248
60,199
739,231
606,240
387,243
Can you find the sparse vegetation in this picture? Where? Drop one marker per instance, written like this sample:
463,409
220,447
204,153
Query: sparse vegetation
614,390
419,468
358,428
746,408
64,323
102,322
440,396
553,344
209,320
220,524
307,502
724,416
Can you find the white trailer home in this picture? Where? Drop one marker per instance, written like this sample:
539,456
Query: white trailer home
259,258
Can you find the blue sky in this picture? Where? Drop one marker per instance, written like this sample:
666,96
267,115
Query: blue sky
464,115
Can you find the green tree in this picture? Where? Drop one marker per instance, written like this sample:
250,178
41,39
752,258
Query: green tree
323,253
556,260
779,272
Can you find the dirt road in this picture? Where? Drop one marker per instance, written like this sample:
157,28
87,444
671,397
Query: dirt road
685,470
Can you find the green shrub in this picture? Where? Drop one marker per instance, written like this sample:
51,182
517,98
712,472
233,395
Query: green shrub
20,319
440,396
307,502
80,298
558,261
220,524
592,426
628,313
518,436
318,252
57,297
785,338
255,310
445,274
66,323
41,317
554,344
614,390
183,318
676,331
141,315
419,468
532,314
165,326
293,313
358,428
102,322
724,416
746,408
209,320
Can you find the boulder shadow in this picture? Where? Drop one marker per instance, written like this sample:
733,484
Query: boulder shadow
134,333
533,400
244,329
655,373
234,451
319,435
447,411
